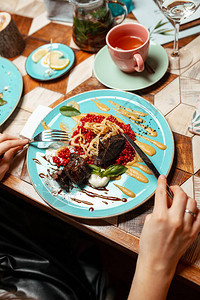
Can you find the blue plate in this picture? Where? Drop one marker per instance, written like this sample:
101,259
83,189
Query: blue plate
11,86
39,70
98,207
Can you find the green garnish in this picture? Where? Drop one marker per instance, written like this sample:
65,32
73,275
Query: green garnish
158,29
89,31
95,169
111,171
2,102
114,170
69,111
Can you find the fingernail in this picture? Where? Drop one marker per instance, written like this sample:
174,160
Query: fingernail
162,176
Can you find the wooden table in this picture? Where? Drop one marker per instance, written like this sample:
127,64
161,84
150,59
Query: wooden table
175,95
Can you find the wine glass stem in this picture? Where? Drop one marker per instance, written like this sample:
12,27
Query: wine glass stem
176,34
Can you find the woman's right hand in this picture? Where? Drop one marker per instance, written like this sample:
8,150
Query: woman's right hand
169,230
9,145
166,235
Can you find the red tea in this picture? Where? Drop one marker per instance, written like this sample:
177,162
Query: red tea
128,42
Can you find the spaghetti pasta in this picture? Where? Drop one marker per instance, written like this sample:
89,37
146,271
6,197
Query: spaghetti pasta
90,133
102,131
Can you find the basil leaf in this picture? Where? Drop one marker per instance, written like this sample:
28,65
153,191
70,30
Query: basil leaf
2,102
69,111
95,170
111,171
114,170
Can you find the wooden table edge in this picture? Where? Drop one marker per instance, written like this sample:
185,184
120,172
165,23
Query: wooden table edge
97,228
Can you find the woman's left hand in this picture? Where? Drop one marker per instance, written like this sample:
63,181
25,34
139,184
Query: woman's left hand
9,145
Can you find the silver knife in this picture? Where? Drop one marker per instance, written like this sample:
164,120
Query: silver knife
147,161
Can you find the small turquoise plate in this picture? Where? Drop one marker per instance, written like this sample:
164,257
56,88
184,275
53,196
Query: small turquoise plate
111,201
11,86
39,70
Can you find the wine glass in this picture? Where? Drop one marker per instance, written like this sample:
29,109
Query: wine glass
177,11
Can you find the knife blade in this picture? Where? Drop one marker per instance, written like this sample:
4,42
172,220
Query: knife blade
147,161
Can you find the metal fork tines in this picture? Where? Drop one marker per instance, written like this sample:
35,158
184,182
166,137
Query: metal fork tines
53,135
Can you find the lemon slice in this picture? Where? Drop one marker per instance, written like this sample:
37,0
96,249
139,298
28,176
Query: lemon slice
59,64
37,55
55,54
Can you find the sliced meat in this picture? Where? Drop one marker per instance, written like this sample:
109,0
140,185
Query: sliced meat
77,169
62,178
109,149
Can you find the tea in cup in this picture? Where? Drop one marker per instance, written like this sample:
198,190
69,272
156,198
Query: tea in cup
128,45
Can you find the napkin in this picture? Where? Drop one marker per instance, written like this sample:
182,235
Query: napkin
59,10
34,120
194,126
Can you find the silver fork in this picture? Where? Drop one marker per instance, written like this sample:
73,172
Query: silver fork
49,135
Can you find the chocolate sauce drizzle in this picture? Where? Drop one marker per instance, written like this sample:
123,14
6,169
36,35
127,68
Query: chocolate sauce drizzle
36,161
91,194
88,193
81,201
42,175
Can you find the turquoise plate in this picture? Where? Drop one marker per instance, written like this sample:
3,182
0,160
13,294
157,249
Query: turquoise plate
39,70
11,86
96,207
108,73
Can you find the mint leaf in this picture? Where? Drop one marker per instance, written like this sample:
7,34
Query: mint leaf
69,111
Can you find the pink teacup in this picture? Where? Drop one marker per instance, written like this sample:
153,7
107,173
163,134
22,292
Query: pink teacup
128,45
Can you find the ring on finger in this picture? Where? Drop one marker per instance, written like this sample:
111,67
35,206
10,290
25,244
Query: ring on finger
190,212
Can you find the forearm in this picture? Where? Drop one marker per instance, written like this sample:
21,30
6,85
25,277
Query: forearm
149,283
